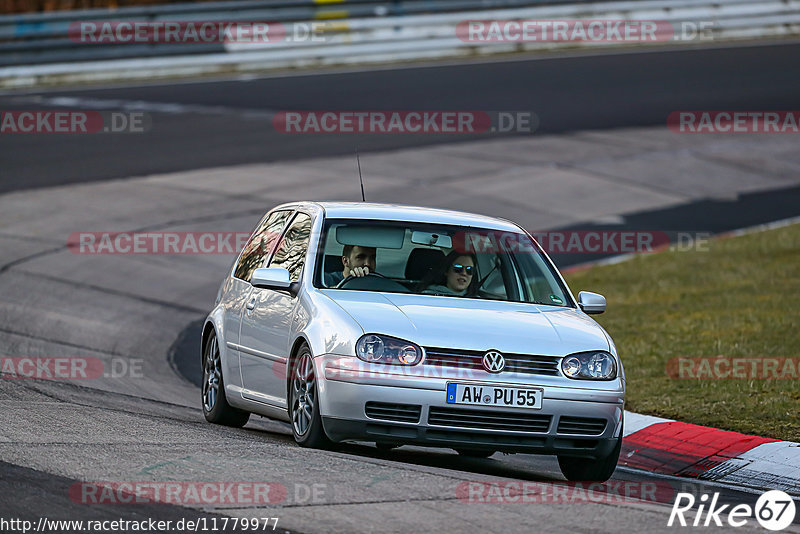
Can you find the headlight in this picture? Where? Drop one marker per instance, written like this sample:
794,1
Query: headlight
374,348
589,366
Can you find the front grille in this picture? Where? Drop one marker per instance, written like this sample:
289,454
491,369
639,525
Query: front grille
583,426
387,411
489,420
473,359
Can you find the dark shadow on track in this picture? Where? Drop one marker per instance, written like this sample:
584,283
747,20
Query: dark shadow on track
184,354
699,217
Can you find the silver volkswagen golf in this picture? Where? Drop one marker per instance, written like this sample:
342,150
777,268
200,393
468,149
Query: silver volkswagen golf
405,325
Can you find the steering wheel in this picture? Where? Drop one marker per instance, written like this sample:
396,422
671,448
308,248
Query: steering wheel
353,277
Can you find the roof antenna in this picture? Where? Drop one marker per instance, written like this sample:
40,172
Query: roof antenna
361,180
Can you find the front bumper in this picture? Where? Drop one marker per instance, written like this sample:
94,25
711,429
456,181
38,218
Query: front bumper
344,394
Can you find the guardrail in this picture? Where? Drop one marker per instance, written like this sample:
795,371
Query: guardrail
360,31
56,23
43,37
720,19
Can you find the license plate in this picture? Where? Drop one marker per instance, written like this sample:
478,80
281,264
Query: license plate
486,395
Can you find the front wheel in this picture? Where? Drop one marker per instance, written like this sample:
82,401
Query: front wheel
590,470
215,406
304,403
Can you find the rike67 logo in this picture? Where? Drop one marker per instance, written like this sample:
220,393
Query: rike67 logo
774,510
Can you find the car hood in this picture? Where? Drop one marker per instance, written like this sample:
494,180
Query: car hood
434,321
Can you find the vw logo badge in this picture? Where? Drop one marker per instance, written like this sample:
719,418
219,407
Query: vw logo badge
493,361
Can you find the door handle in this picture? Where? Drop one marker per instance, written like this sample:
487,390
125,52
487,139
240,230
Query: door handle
252,304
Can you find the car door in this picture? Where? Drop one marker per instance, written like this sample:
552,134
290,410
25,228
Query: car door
267,319
253,255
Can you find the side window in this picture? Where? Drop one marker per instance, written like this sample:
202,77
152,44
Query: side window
291,251
260,244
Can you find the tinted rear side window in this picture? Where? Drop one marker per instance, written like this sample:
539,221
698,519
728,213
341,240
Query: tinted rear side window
291,252
260,244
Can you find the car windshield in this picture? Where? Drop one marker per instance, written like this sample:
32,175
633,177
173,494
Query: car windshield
430,259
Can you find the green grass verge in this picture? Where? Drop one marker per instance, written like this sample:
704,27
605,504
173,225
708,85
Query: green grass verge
739,298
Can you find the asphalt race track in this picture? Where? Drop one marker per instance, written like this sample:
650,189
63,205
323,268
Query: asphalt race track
219,123
140,419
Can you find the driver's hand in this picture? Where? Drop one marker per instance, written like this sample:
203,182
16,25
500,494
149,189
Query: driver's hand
359,271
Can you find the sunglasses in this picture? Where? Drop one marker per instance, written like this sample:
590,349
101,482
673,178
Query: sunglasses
458,268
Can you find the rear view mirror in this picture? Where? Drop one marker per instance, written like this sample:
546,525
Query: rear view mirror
432,240
591,303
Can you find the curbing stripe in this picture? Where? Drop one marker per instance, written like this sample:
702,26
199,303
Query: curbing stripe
636,421
683,449
773,465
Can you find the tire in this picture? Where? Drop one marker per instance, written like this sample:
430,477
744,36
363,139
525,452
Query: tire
590,470
474,453
215,405
304,403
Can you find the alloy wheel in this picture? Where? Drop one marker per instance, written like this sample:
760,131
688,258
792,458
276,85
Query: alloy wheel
212,372
304,393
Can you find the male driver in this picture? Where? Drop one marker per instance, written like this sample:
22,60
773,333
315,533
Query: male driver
356,260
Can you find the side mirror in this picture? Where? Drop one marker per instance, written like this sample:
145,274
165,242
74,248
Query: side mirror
272,278
591,303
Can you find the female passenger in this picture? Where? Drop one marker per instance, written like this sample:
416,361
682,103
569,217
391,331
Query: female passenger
456,275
